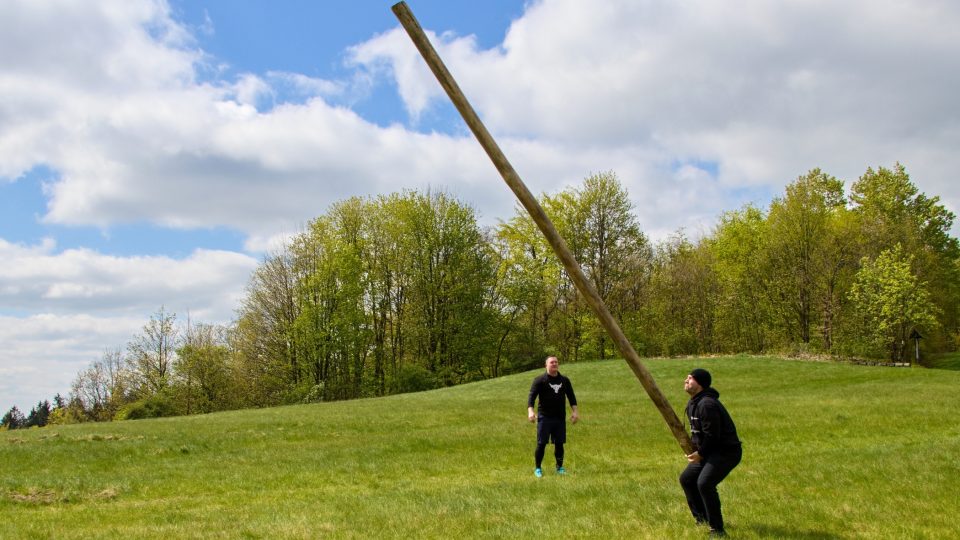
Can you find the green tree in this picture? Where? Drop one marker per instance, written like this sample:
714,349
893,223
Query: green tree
451,274
13,419
567,331
680,316
202,371
388,283
372,285
800,225
597,222
892,210
529,276
837,264
352,326
101,389
743,310
39,415
614,247
260,378
541,303
151,354
266,363
332,331
891,301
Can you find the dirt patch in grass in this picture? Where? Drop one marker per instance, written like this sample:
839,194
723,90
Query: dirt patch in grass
47,496
108,437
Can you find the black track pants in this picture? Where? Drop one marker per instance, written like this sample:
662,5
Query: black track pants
700,480
542,450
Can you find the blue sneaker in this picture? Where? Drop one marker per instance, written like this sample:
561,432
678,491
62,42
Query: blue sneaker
561,470
538,472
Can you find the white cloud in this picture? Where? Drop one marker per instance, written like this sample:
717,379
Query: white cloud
38,279
766,91
42,354
392,54
696,106
61,310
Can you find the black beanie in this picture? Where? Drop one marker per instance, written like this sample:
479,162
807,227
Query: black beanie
702,377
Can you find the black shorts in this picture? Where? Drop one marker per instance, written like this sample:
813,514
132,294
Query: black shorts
551,430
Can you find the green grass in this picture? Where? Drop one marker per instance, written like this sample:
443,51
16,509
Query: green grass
831,451
945,361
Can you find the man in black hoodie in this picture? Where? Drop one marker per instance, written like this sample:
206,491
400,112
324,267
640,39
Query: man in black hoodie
716,446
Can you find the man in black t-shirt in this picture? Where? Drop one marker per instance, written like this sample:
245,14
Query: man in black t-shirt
552,389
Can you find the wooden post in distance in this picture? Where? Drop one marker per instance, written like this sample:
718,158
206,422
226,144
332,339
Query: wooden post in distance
529,202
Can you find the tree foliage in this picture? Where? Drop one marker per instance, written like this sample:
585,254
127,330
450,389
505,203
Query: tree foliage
13,419
743,320
406,292
152,353
891,302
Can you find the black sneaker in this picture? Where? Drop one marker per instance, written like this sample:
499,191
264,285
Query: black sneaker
714,533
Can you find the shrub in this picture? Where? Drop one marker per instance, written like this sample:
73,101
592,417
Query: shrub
155,406
413,379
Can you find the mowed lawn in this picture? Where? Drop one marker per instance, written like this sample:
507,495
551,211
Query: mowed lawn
831,451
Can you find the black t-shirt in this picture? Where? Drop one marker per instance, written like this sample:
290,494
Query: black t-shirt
552,393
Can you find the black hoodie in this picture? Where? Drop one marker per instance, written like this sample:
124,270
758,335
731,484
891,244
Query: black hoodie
711,428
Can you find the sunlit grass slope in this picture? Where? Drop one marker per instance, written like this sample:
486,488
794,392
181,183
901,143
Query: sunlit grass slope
831,451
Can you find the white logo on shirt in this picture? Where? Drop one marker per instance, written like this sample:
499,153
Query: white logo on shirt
556,387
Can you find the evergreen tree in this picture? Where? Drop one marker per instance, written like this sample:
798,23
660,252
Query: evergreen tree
39,416
13,419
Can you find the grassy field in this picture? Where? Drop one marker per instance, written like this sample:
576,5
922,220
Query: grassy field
945,361
831,451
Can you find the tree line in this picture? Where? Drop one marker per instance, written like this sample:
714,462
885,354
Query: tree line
406,292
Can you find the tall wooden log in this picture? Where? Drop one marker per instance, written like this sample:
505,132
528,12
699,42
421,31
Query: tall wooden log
529,202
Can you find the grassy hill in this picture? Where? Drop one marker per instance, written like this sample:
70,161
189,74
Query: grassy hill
831,451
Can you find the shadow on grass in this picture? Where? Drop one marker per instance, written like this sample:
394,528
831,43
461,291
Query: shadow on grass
765,531
950,361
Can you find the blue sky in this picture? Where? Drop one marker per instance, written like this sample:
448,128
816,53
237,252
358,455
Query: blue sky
255,36
309,37
152,152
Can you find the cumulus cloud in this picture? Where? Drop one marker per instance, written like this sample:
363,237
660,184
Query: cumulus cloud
43,353
40,279
697,107
62,309
762,93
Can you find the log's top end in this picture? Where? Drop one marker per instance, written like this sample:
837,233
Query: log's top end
540,217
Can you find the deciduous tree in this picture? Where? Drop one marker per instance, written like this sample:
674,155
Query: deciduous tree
800,225
151,354
891,302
